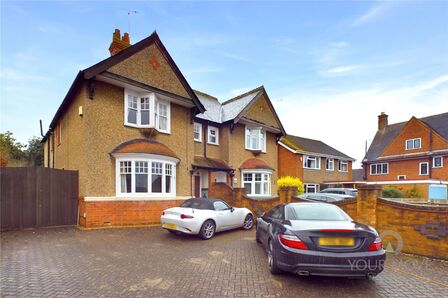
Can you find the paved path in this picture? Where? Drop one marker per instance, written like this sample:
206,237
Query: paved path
142,262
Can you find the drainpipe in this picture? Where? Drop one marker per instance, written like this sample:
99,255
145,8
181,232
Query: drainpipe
52,143
430,157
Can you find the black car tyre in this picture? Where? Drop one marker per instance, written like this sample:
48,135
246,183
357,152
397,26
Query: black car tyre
272,260
248,222
207,230
173,232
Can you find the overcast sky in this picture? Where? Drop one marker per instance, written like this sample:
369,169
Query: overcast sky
329,67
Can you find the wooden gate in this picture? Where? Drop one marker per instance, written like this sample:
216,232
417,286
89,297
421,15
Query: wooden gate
37,197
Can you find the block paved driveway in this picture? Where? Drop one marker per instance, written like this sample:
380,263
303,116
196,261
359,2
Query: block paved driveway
151,262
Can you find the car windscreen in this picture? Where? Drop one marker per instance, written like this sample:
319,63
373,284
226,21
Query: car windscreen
198,204
317,212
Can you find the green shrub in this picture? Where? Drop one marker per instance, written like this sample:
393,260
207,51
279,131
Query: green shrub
414,193
289,181
392,192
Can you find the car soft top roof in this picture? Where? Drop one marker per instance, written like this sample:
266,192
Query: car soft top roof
200,203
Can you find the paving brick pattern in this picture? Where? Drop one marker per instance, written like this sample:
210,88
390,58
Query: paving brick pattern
150,262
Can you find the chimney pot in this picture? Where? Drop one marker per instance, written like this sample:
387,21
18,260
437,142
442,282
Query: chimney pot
382,121
118,43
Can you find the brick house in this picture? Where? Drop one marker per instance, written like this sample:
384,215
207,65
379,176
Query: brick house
143,140
410,154
313,161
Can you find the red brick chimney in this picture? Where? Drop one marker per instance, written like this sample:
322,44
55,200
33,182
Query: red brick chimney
382,121
119,43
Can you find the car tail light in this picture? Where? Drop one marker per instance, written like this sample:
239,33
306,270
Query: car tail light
183,216
292,241
376,245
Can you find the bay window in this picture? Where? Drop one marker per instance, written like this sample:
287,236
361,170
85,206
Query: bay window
257,183
144,175
146,111
255,139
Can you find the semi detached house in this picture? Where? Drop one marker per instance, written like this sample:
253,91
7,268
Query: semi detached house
143,140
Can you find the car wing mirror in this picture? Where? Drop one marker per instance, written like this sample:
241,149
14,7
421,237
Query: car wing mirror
232,209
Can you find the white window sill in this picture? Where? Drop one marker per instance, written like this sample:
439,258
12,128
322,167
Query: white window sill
127,199
327,170
311,168
198,141
215,144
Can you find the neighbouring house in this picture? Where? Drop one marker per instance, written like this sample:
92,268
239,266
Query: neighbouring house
314,162
410,155
143,140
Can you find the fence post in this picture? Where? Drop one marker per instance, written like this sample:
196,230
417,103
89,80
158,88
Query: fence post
366,203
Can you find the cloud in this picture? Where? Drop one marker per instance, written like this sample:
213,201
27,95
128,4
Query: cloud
340,44
342,69
11,74
235,57
346,118
201,70
373,13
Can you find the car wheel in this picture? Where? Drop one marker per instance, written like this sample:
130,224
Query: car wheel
248,222
207,230
272,261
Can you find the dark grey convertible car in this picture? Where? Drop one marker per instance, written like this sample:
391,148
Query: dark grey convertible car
319,239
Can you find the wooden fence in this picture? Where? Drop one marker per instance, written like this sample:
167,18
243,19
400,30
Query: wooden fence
37,197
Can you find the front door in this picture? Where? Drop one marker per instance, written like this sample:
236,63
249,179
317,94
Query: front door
197,186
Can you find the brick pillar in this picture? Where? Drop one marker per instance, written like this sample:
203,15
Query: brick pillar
366,203
286,194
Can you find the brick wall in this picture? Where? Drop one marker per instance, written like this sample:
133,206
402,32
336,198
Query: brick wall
409,221
122,213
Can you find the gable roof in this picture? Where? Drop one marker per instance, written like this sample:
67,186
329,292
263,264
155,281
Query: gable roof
234,108
439,123
304,145
105,64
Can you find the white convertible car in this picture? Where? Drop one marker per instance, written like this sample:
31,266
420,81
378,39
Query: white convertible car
205,217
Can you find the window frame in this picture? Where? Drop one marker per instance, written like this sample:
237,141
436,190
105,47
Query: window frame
149,158
341,162
262,181
216,129
376,170
317,160
261,139
316,186
420,168
413,143
154,114
398,177
197,124
434,162
327,162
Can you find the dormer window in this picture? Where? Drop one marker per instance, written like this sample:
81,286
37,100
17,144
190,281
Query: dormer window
146,111
255,139
413,144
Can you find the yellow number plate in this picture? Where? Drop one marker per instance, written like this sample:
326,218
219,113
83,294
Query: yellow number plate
169,226
336,241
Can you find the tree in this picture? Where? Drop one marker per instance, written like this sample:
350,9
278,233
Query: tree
35,152
10,148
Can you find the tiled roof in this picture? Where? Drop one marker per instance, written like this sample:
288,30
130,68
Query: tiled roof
255,163
144,146
439,123
228,110
312,146
210,163
357,174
